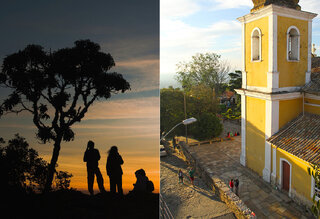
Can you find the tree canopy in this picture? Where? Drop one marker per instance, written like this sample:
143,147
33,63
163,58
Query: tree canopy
235,80
58,88
198,105
203,69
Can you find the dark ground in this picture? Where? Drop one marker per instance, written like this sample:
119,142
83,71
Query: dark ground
75,204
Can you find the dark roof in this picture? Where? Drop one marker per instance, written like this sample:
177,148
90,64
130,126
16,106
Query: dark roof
313,87
285,3
300,137
315,62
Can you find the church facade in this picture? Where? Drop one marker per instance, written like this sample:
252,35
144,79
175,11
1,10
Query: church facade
280,98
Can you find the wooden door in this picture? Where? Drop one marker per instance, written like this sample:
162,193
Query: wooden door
285,176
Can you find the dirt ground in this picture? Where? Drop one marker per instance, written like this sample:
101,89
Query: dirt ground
185,200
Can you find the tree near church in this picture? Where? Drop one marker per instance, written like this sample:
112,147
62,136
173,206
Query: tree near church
203,69
314,171
171,110
235,80
57,89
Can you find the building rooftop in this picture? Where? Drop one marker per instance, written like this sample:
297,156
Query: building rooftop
300,137
258,4
313,87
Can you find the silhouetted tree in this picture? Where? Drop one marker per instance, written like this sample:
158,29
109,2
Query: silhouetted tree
20,166
58,88
62,180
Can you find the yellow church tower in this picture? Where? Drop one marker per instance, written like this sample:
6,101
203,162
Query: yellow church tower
276,49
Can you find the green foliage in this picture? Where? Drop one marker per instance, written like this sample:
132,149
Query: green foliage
171,110
201,99
315,173
204,69
199,104
207,127
235,80
230,114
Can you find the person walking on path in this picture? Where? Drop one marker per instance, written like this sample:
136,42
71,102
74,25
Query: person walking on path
236,186
92,156
191,175
180,174
114,170
231,184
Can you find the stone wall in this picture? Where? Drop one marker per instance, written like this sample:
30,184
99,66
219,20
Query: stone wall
217,185
230,126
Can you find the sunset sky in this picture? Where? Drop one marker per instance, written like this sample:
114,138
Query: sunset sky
129,31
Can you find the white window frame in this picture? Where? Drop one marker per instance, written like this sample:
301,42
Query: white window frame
313,189
298,49
259,31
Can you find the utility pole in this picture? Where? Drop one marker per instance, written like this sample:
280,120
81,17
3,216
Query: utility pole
185,113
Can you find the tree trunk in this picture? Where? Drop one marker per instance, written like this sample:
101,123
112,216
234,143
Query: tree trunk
52,165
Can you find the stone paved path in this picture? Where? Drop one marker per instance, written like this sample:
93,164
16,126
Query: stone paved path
184,200
223,159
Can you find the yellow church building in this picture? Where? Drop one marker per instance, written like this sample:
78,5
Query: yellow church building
280,97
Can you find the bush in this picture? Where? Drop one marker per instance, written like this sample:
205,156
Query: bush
22,170
207,127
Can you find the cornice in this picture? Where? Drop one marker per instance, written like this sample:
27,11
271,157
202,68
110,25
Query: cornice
269,96
277,10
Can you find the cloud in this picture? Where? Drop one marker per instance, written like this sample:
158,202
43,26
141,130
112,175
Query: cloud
310,6
142,73
125,109
179,41
178,8
229,4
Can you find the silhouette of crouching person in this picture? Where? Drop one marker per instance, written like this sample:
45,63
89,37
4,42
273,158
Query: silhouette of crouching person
143,184
114,170
92,156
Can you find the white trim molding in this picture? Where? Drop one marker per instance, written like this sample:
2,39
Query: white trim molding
280,174
273,79
272,82
278,10
309,45
274,166
273,43
308,77
269,96
244,79
243,131
243,45
295,47
253,46
271,127
312,96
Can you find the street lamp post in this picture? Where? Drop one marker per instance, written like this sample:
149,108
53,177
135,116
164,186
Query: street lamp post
184,122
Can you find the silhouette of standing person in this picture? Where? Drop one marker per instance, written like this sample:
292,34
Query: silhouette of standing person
92,156
114,170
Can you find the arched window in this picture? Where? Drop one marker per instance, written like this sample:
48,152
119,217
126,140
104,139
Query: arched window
293,44
256,45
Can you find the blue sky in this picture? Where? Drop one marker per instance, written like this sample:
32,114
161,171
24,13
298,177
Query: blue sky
188,27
